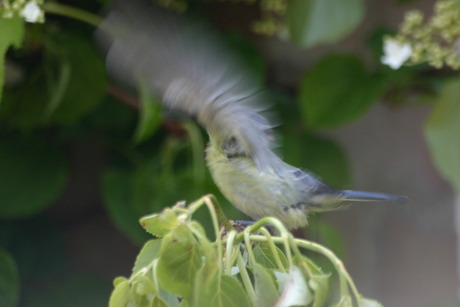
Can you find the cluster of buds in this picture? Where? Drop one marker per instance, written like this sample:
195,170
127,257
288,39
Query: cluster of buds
435,41
272,21
174,5
30,10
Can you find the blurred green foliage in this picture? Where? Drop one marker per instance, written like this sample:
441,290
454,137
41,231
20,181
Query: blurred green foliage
240,268
54,92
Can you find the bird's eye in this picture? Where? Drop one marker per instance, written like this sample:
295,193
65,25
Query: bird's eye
230,144
232,148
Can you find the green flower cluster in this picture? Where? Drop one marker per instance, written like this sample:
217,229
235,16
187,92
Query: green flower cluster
272,12
174,5
30,10
272,20
437,40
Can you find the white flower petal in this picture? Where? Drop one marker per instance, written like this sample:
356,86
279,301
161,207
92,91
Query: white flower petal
234,270
31,12
395,53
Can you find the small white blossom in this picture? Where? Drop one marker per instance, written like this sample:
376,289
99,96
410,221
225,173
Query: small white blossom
31,12
395,53
234,270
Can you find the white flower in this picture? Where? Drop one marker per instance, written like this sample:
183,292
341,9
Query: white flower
31,11
395,53
234,270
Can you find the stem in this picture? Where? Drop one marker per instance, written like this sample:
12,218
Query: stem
72,12
215,223
273,249
336,262
229,251
284,233
246,280
221,217
247,242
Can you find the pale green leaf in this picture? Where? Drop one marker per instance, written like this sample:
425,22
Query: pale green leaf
264,256
221,291
158,301
179,262
265,287
313,22
160,224
118,280
149,252
120,296
442,132
143,286
320,286
171,300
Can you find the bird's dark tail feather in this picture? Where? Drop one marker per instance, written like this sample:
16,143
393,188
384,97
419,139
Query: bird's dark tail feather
371,196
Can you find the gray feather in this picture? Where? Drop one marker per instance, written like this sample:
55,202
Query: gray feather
192,71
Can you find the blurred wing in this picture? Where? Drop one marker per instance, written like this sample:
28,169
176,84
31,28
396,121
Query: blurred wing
190,69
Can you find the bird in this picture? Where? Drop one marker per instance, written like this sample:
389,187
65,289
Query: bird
193,71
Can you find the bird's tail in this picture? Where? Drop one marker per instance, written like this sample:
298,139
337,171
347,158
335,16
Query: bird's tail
349,195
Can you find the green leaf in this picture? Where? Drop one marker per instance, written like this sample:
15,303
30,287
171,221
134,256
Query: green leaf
120,296
69,83
150,114
264,256
318,281
9,280
88,80
179,262
118,280
313,22
158,301
338,90
143,286
320,286
265,287
171,300
220,290
34,175
442,130
11,34
150,251
161,224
